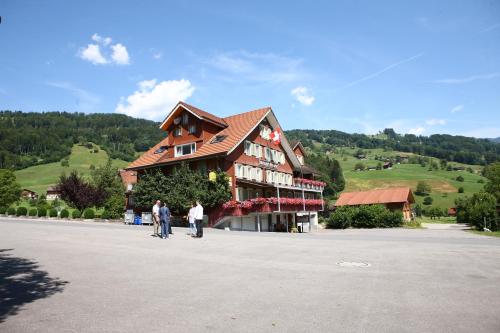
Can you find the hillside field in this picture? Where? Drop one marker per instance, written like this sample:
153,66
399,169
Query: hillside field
37,178
443,183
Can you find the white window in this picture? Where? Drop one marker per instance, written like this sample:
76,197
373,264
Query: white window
192,129
178,131
248,148
269,176
301,159
282,158
186,149
185,118
268,153
258,150
259,175
238,170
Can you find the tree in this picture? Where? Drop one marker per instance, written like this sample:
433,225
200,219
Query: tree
418,210
459,179
477,210
10,191
359,166
428,201
492,173
78,193
423,188
461,189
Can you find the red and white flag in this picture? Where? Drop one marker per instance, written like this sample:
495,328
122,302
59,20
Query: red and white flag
276,136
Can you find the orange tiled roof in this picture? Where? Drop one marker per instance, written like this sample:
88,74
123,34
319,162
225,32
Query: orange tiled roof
238,126
379,196
128,177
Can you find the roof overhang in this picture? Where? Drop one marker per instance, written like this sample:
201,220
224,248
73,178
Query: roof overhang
182,106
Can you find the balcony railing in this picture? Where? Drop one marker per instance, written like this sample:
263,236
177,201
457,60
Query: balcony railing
309,184
269,205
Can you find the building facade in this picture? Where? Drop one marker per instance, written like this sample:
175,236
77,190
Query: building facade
272,189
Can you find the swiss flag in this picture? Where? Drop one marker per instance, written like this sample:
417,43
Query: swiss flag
276,136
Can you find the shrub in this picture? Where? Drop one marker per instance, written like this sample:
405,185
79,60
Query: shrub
106,215
376,216
52,212
460,189
33,212
359,166
428,201
459,179
341,218
42,212
76,214
21,211
88,213
11,211
3,210
423,188
64,213
481,181
33,202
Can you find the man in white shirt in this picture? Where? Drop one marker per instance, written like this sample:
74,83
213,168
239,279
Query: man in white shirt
198,218
192,226
156,218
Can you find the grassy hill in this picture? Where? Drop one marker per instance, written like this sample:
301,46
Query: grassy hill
39,177
443,183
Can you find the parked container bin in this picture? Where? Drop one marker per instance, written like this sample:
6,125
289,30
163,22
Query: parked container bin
147,218
137,219
129,218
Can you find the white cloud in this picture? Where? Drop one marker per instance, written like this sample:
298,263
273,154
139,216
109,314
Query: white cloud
85,100
256,67
102,52
120,54
433,122
417,130
101,40
93,54
158,56
154,100
303,96
488,76
457,108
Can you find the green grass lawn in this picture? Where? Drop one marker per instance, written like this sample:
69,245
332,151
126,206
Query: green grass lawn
441,220
443,183
38,178
483,233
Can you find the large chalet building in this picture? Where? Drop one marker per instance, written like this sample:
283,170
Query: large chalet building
271,187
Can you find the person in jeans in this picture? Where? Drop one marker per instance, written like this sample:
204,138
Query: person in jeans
198,218
192,226
164,221
156,218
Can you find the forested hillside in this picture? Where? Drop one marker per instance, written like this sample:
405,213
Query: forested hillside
28,139
443,146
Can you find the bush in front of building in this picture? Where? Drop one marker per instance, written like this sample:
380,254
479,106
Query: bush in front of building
11,211
42,212
3,210
33,212
88,214
52,212
76,214
375,216
22,211
64,213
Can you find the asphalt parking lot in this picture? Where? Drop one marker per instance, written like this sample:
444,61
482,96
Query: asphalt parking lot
95,277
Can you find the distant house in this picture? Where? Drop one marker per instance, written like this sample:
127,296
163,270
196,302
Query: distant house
129,179
397,198
452,211
28,194
387,165
53,193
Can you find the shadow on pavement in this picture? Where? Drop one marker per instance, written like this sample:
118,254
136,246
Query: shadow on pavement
21,282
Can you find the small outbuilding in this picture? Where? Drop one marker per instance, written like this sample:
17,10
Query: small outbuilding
53,192
28,194
396,198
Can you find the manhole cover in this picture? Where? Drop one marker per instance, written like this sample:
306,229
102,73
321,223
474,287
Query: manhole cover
353,264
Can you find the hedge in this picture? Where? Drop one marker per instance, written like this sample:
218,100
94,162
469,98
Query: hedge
3,210
106,215
33,212
22,211
42,212
76,214
53,212
88,213
64,213
11,211
375,216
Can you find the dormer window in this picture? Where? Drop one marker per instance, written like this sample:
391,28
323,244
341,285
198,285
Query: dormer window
178,131
185,118
186,149
192,129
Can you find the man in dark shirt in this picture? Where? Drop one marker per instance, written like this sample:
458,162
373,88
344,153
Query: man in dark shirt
164,220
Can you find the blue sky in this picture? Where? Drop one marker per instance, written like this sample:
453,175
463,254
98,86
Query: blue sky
420,67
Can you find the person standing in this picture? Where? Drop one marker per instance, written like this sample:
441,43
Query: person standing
198,218
192,226
156,218
164,221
